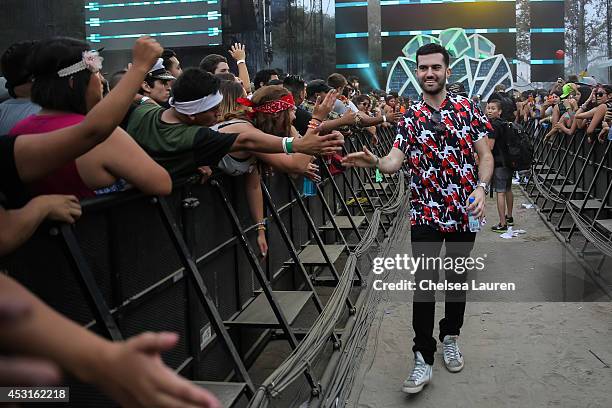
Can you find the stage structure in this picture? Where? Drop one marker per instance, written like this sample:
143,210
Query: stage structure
473,63
175,23
371,34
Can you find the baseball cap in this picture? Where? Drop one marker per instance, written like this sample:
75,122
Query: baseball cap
316,86
588,80
159,71
567,90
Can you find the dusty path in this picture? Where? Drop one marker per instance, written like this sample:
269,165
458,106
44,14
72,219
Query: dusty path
539,346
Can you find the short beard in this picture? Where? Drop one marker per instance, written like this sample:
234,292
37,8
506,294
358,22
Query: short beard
441,85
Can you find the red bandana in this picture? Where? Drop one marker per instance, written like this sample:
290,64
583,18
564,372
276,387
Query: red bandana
279,105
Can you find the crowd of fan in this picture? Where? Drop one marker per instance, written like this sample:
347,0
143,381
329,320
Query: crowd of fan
70,133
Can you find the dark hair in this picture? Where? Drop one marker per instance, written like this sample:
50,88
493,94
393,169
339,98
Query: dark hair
193,84
336,80
149,80
607,89
585,93
389,97
433,48
116,77
209,63
496,102
49,90
226,76
263,76
166,55
295,84
275,82
13,64
572,78
360,98
352,79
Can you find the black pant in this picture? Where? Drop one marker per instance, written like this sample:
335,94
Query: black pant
427,242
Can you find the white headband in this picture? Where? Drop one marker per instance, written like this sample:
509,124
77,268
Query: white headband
199,105
91,61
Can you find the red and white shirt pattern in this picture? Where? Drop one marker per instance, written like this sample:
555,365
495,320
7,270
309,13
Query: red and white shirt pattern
443,171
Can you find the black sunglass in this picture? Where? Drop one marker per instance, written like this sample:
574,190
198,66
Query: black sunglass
436,118
600,94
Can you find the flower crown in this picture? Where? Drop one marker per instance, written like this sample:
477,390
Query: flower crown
91,61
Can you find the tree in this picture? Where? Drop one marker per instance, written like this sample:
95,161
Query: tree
585,33
296,47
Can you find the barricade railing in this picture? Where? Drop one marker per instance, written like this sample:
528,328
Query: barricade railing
571,184
134,263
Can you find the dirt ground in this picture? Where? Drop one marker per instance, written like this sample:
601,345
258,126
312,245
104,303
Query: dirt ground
547,344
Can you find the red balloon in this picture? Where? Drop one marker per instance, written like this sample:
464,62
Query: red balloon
559,54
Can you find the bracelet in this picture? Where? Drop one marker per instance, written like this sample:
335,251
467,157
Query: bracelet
261,228
284,144
357,120
289,145
317,119
241,61
377,162
384,119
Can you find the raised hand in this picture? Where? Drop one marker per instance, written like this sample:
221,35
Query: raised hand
237,51
323,107
145,53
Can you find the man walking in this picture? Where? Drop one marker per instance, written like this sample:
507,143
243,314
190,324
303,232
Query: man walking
439,135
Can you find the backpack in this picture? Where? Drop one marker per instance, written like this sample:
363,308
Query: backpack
519,150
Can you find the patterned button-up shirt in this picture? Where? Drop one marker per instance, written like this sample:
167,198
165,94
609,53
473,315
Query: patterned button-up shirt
443,171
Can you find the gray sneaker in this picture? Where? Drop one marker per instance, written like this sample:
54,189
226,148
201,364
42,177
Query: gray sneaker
420,376
453,359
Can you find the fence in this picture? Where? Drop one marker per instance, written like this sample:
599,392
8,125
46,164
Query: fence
184,263
571,182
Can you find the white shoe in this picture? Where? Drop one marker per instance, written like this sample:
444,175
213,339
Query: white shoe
420,376
453,359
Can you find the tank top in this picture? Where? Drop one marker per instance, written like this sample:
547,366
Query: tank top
65,180
231,165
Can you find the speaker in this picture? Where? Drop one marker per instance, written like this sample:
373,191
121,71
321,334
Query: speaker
238,16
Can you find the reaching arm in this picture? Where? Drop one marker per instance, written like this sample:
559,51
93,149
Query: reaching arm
311,143
391,163
17,226
38,155
131,372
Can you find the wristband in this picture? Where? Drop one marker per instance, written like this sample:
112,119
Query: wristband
284,144
377,162
289,145
318,120
384,119
240,61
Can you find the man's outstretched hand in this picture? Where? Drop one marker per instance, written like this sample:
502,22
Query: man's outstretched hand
364,158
